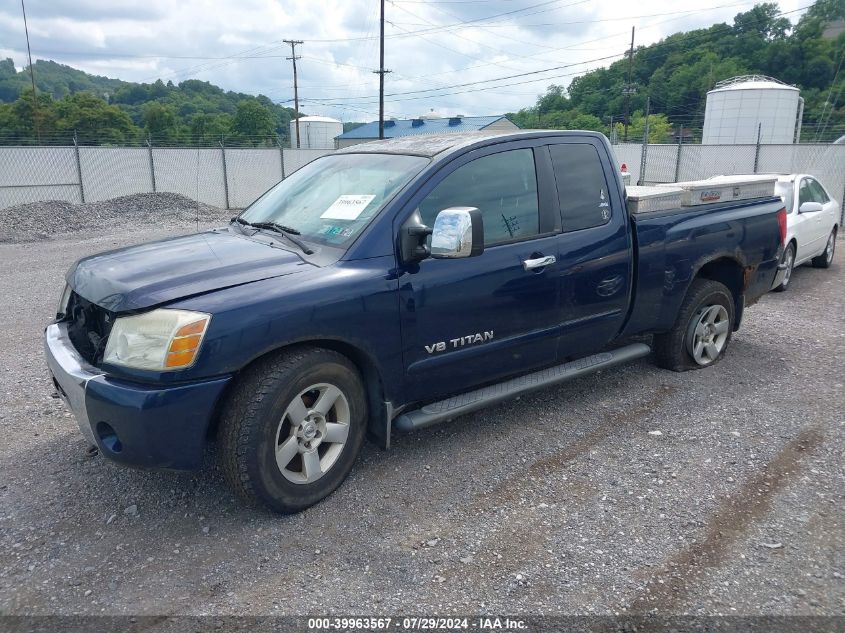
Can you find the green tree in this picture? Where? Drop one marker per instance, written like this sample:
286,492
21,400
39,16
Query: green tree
762,21
26,111
160,121
209,127
7,69
93,119
252,119
659,128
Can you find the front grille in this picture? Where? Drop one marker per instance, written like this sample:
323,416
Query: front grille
89,326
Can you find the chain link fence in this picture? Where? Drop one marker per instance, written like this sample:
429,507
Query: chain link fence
232,177
223,176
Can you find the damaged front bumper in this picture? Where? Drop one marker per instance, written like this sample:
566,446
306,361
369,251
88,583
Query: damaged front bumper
133,423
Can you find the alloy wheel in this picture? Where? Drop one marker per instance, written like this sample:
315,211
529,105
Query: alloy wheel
312,433
708,334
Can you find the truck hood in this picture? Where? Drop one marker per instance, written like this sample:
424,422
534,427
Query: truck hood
150,274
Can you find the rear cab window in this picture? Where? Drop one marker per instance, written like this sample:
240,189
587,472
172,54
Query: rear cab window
581,186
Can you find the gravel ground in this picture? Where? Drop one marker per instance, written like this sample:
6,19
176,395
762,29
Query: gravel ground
711,492
37,221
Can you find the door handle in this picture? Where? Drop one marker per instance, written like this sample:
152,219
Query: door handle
540,262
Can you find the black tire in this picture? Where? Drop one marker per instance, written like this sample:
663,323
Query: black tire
826,258
788,252
672,349
252,423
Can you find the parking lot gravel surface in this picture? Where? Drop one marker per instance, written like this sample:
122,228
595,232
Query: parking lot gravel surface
634,490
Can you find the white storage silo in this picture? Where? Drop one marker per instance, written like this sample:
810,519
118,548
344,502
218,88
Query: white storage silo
736,107
315,132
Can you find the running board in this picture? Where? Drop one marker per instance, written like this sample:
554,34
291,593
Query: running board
473,400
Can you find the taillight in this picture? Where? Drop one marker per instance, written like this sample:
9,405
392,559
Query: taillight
782,225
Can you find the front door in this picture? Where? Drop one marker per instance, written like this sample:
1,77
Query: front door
807,224
825,219
479,319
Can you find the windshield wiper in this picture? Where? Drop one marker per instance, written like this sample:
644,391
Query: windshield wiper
287,231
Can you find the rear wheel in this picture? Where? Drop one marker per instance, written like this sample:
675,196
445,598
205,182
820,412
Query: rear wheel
702,331
788,261
826,258
292,428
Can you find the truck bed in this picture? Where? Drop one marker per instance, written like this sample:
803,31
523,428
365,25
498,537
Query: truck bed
672,246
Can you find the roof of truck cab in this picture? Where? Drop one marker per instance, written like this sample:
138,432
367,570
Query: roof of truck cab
432,145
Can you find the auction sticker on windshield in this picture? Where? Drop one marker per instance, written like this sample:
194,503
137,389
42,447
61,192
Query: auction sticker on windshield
347,207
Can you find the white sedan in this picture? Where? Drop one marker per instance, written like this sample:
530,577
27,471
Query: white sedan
812,221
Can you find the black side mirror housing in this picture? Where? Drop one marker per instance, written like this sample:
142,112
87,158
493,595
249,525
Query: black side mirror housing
413,238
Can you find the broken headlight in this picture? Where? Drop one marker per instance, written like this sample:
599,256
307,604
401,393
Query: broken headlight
160,340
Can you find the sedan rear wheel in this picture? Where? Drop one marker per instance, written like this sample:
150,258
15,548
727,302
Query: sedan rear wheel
788,262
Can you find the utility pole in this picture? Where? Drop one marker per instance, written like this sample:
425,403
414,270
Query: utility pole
629,87
644,155
381,72
293,58
35,117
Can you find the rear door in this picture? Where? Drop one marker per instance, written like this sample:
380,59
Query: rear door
475,320
594,250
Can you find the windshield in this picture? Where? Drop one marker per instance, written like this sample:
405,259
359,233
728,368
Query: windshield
332,199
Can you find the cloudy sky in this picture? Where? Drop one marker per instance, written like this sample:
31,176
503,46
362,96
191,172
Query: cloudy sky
441,52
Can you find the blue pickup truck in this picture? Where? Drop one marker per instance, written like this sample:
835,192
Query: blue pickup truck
387,287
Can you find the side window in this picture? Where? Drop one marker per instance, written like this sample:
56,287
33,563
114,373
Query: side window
805,194
502,186
581,186
819,194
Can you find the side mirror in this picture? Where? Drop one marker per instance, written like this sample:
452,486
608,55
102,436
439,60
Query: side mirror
458,232
810,207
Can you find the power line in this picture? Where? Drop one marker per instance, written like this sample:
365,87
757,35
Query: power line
483,81
265,49
275,45
492,48
687,37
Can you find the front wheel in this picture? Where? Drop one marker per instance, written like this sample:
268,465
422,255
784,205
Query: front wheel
702,330
292,428
826,258
789,263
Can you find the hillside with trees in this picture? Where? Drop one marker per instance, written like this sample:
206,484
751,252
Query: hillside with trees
675,73
103,111
678,71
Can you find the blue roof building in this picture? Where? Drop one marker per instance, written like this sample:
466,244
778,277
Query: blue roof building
394,128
